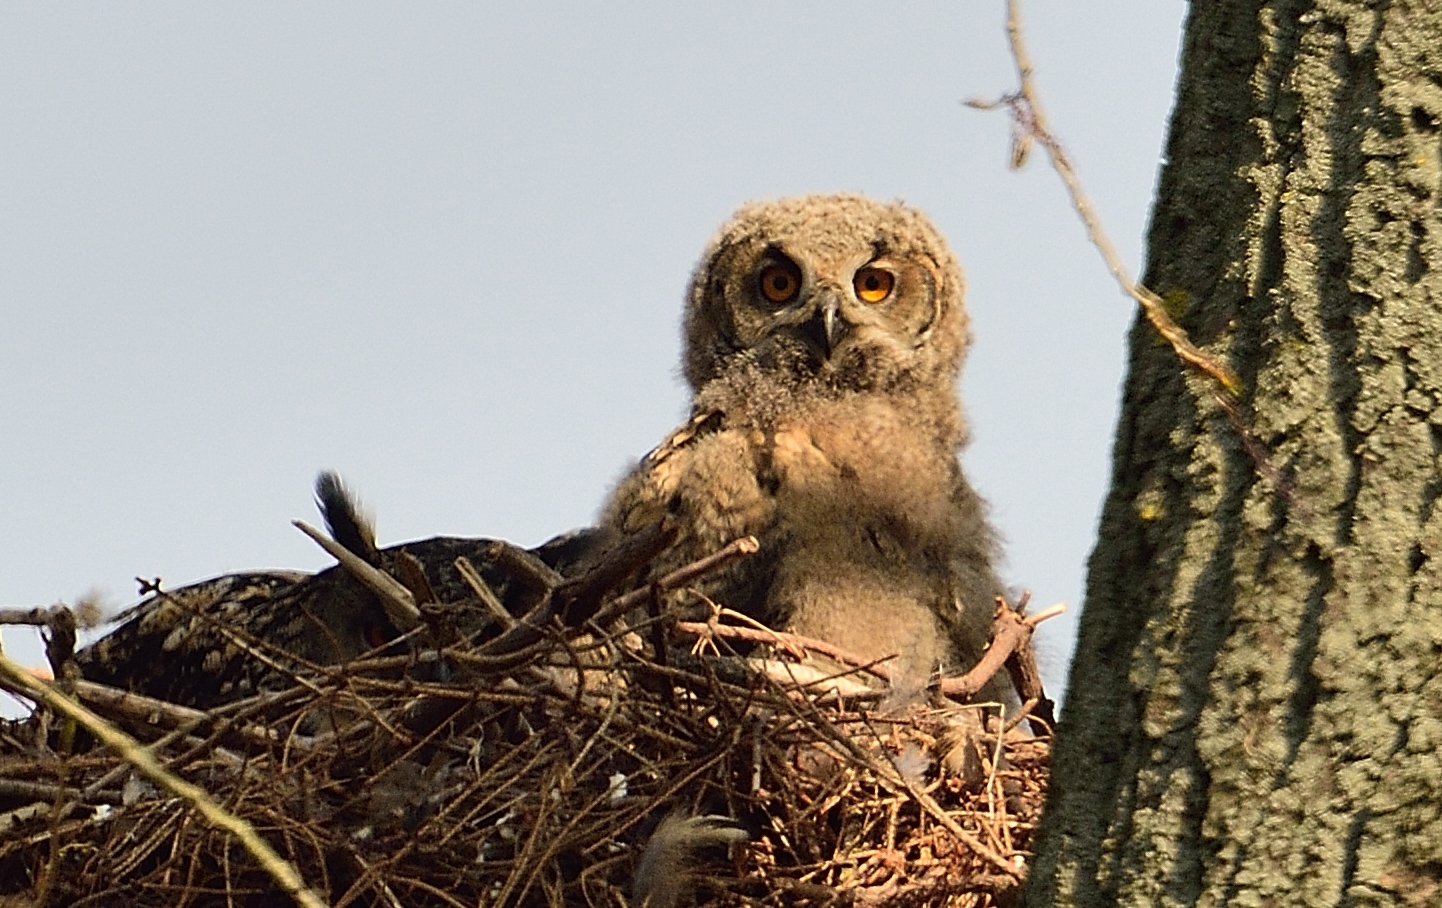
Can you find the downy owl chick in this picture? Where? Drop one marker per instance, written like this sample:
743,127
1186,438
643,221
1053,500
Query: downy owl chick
824,336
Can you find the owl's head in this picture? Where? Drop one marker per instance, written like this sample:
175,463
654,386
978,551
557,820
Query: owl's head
835,289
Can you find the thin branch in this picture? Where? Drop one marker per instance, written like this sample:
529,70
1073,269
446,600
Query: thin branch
1029,123
1007,635
1025,676
39,616
171,715
483,591
1011,646
399,603
789,640
579,598
1050,611
523,566
50,791
735,550
1011,635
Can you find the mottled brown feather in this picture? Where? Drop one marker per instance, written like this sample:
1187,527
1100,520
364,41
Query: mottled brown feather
834,440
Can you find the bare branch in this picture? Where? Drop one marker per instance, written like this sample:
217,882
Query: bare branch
398,602
1029,123
483,592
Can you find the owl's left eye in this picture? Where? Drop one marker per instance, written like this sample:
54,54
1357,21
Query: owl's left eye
780,282
873,285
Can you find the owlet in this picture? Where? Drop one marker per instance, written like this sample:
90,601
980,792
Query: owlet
824,336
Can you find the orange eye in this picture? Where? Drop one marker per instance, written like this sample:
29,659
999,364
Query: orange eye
873,285
780,282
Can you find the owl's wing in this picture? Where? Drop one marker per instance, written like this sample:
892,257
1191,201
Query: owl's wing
644,496
702,422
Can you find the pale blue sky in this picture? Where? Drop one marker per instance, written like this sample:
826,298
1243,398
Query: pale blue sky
441,248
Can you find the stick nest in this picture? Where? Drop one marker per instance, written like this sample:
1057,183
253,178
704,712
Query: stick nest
596,770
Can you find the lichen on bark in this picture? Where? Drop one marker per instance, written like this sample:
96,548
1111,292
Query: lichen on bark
1254,711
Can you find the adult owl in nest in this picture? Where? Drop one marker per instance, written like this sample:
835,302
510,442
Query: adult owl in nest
824,337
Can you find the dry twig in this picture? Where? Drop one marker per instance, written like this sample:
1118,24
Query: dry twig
1029,124
399,603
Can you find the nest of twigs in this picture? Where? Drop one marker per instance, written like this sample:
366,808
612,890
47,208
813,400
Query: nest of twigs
608,757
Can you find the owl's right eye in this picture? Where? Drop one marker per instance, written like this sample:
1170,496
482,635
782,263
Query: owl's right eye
780,282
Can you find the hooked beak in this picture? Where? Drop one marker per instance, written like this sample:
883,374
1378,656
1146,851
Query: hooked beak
825,329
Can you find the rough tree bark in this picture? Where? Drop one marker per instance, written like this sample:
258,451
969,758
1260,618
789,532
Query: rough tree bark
1254,714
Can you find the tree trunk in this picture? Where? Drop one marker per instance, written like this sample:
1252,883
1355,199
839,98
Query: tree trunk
1254,715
